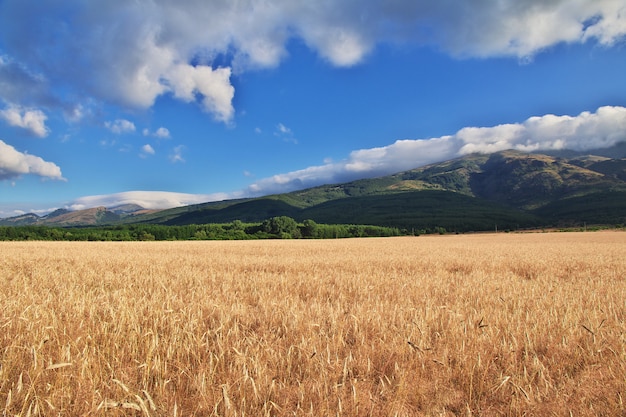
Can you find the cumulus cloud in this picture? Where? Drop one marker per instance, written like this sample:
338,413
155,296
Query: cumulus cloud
32,120
14,164
603,128
146,150
213,86
146,199
120,126
160,133
133,52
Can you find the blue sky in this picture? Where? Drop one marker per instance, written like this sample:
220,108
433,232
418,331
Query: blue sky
165,103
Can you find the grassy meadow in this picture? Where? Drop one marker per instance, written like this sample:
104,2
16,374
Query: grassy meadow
490,325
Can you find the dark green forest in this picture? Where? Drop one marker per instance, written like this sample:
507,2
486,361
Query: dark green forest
280,227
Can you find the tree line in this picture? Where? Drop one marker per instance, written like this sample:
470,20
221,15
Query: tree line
280,227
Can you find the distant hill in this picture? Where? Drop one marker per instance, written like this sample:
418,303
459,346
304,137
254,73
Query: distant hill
21,220
505,190
89,217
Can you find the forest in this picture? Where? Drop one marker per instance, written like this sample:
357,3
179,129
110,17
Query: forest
280,227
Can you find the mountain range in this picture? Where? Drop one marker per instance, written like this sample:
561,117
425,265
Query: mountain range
506,190
94,216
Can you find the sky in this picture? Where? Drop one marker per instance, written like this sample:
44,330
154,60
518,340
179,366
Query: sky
165,103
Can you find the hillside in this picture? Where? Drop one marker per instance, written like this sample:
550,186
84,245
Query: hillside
507,190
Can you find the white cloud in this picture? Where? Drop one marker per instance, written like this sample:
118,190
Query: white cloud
281,128
513,28
133,52
604,128
285,133
120,126
343,47
30,119
146,199
14,163
214,86
609,22
160,133
146,150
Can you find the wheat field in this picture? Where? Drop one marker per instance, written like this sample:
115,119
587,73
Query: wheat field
490,325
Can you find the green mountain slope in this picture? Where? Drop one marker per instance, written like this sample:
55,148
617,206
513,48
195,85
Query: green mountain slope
603,207
507,189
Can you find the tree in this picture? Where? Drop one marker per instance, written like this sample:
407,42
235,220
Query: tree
309,228
237,225
282,226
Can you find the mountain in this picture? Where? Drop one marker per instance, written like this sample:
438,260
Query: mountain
89,217
56,213
504,190
123,209
531,181
508,189
21,220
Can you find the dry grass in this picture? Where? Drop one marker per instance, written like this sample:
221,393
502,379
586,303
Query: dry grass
455,325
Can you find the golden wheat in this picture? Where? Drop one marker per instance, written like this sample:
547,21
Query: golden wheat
508,324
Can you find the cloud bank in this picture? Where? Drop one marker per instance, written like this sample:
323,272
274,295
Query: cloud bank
14,163
604,128
131,53
146,199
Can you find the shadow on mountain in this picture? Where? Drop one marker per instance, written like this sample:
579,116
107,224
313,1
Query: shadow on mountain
421,210
249,211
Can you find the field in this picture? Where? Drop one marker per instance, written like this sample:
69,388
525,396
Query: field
490,325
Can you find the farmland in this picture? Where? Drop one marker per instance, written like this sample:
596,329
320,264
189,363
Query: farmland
485,324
